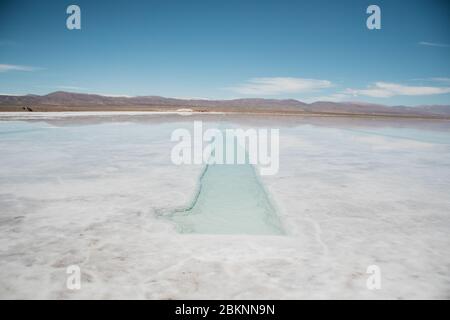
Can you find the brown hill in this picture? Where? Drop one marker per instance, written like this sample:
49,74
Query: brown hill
61,100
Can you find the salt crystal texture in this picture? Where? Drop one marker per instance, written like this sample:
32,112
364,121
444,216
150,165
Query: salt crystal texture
93,192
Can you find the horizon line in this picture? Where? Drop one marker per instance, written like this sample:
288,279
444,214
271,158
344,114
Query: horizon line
214,99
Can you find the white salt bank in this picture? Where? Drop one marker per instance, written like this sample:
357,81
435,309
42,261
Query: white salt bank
89,191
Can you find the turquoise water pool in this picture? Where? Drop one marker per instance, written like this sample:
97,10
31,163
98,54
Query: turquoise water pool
230,200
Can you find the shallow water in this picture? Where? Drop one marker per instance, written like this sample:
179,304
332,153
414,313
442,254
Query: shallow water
230,200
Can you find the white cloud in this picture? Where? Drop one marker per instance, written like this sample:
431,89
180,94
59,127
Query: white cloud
280,85
441,79
387,90
434,44
13,67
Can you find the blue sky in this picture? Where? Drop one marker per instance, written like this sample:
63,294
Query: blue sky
306,50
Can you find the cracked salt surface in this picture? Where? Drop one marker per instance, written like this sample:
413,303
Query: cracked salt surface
87,191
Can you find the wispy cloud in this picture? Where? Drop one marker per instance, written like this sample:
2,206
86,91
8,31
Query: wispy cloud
433,79
440,79
434,44
279,85
387,90
14,67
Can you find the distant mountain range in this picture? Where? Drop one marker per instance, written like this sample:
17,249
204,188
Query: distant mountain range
63,101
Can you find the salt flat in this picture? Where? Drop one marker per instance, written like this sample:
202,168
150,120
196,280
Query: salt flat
349,194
